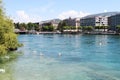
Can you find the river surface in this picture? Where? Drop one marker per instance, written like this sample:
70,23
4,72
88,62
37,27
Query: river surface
65,57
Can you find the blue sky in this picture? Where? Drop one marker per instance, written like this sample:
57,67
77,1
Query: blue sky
39,10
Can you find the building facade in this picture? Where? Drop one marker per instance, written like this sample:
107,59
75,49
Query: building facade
97,19
94,21
72,22
101,21
53,22
113,21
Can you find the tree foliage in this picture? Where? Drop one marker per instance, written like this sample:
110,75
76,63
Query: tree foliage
61,25
69,27
79,27
8,39
118,28
27,26
48,28
87,28
101,27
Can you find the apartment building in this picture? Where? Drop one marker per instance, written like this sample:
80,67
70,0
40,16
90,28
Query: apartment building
97,19
72,22
53,22
113,21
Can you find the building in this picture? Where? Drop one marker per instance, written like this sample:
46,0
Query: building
53,22
77,22
72,22
113,21
94,21
97,19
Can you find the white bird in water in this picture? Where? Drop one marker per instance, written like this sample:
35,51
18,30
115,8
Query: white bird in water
59,54
41,54
7,57
2,70
34,51
100,43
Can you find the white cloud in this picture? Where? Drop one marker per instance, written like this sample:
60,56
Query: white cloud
72,14
22,16
105,11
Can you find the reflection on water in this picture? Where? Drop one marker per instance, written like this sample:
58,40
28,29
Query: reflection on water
83,57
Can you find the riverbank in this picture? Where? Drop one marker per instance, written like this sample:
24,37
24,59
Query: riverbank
101,33
70,32
8,57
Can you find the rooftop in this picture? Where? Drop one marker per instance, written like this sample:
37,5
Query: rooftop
108,14
48,21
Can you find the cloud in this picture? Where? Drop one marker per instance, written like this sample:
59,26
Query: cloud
72,13
105,11
22,16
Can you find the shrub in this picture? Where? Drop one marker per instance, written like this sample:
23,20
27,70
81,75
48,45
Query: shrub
2,50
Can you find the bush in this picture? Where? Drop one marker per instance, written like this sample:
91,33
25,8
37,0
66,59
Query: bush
2,50
8,39
118,28
48,28
87,28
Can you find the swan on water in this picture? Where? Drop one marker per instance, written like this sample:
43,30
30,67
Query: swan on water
41,54
59,54
2,70
7,57
100,43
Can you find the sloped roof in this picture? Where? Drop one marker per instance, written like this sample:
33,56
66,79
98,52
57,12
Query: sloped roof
108,14
48,21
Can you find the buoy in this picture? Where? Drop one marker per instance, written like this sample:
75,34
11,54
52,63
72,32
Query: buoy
2,70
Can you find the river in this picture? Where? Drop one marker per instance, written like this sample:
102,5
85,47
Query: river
65,57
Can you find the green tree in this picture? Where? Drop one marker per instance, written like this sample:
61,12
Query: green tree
45,28
98,28
23,26
61,25
88,28
8,39
30,26
51,28
73,27
16,25
101,27
79,27
36,27
48,28
66,27
118,28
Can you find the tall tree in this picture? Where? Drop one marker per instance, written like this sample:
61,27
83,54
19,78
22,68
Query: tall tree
8,39
118,28
61,25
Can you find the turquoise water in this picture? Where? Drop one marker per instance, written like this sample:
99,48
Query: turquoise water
84,57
